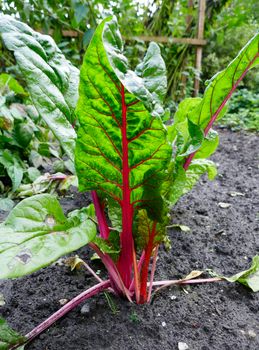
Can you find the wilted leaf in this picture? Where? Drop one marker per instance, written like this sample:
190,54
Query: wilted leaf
193,274
249,277
183,228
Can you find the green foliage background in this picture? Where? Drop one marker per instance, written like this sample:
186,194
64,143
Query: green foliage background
228,26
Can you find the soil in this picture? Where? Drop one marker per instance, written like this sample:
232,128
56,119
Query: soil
220,316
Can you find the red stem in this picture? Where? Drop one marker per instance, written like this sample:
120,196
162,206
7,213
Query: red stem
102,222
140,263
215,115
65,309
136,276
152,273
126,257
165,284
144,271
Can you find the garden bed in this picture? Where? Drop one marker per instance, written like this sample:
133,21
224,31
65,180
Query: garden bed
212,316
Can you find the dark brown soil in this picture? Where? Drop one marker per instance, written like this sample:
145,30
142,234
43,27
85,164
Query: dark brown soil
218,316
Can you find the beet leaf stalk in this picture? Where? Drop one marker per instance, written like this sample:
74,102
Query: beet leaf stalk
63,311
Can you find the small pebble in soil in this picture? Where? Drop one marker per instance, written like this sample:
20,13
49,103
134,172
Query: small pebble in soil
85,309
173,297
251,333
163,324
63,301
182,346
224,205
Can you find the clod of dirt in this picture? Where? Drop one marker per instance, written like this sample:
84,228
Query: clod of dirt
85,309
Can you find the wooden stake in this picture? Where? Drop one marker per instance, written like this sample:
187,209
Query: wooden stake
200,34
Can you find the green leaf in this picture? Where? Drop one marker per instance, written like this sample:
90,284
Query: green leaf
13,85
36,233
208,146
222,85
122,143
143,227
33,173
81,11
249,277
51,79
9,337
13,166
152,70
183,181
23,134
6,204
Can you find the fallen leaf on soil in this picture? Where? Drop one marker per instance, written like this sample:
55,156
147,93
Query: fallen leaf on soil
224,205
183,228
250,277
193,274
74,262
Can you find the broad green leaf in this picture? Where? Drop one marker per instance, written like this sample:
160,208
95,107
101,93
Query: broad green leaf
9,337
51,79
183,181
36,233
122,144
249,277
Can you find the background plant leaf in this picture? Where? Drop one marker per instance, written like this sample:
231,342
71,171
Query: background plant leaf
36,233
51,79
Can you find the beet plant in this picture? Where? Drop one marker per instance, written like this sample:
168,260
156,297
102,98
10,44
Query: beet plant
135,161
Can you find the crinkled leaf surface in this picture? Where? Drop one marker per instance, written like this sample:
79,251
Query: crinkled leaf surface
36,233
122,144
8,336
51,79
